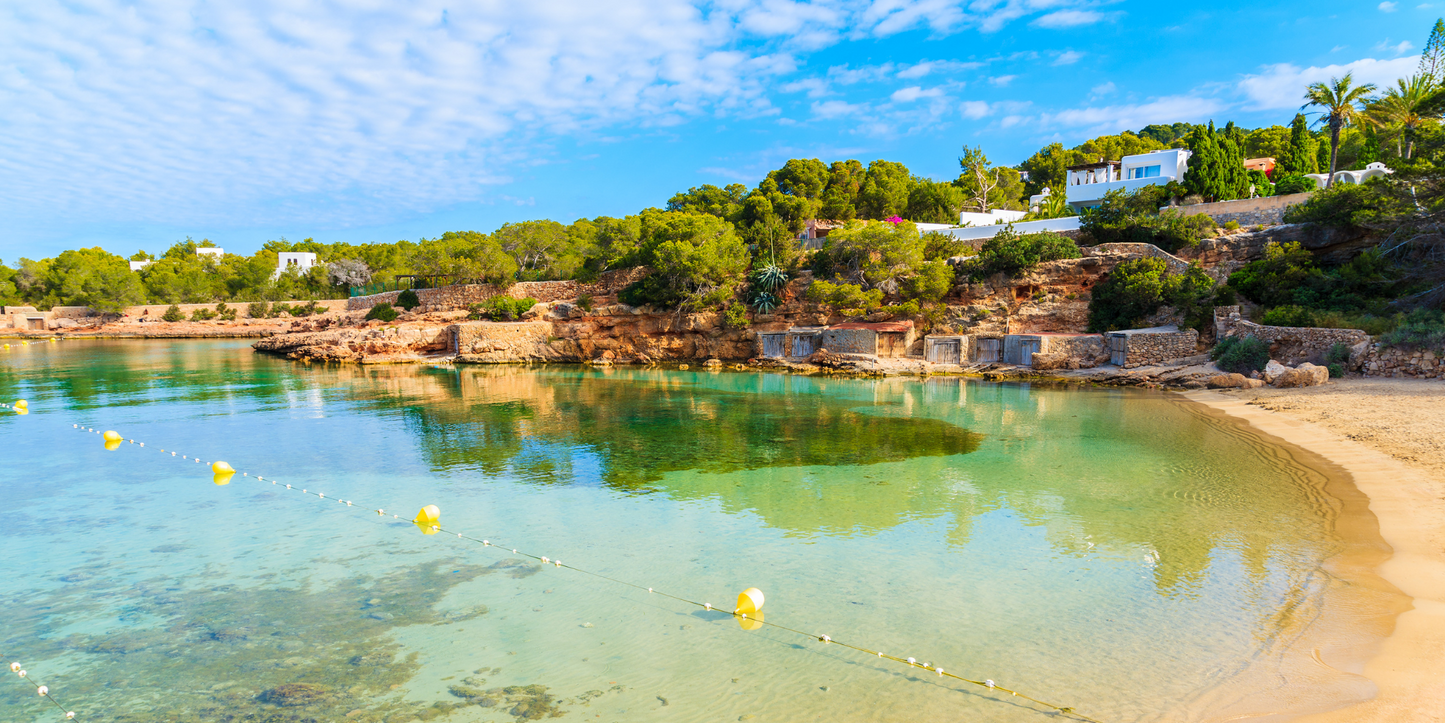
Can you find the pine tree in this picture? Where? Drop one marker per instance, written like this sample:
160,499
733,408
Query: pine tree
1216,164
1301,158
1432,60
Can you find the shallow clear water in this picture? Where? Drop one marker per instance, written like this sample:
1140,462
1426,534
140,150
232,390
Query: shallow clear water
1123,553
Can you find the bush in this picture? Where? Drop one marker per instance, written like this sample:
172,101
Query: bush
1421,329
279,309
844,296
381,312
907,309
1336,370
311,307
202,315
174,314
735,316
1011,253
258,309
940,246
407,299
1135,218
1231,225
584,302
1272,280
1338,354
501,308
1345,205
1294,184
1137,288
932,282
1291,315
1260,181
225,313
1241,354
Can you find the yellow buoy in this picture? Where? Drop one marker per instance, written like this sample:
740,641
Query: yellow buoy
750,621
112,444
112,436
222,468
22,404
427,528
223,478
428,515
750,601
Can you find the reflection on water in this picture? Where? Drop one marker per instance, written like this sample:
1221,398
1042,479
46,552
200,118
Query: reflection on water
1116,551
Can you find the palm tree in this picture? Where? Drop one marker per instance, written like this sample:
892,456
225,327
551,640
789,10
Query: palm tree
1406,108
1343,103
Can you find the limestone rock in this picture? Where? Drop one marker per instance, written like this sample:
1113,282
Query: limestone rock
1306,375
1228,381
1273,370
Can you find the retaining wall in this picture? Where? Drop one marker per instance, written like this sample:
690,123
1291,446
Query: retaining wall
1149,348
459,296
1248,211
1382,362
1291,345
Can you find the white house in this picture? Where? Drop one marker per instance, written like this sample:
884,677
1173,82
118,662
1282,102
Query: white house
215,253
138,265
1086,184
1372,170
302,261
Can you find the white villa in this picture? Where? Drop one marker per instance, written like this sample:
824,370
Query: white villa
992,218
138,265
1372,170
302,261
215,253
1086,184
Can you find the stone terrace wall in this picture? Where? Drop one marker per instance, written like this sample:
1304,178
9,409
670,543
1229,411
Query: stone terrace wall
1288,344
1248,211
1379,361
1149,349
460,295
1175,263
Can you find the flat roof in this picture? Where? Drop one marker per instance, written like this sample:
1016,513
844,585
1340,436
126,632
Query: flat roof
1097,164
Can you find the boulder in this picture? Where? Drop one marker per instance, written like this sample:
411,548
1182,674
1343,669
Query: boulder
1272,370
1306,375
1229,381
1320,374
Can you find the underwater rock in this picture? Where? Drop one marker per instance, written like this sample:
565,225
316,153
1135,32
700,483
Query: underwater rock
291,695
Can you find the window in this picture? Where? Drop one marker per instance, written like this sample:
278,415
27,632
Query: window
1144,172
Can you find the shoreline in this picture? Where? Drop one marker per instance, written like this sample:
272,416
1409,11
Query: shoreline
1409,507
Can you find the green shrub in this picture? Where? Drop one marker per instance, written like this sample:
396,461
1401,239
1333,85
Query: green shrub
584,302
1421,329
1232,225
258,309
941,246
932,282
202,315
280,308
1337,370
844,296
174,314
1137,288
1288,316
906,309
1135,218
225,313
501,308
407,299
1011,253
1241,354
1346,205
735,316
1260,181
1294,184
1338,354
1272,280
381,312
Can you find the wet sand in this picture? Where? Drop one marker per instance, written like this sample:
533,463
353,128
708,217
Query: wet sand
1386,434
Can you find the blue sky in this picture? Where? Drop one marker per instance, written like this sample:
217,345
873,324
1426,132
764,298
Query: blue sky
135,124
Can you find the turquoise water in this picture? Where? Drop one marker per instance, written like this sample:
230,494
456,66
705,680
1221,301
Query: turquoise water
1125,553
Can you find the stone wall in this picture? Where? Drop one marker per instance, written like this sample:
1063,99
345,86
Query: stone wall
1149,348
1248,211
1378,361
849,341
1176,264
1290,345
459,296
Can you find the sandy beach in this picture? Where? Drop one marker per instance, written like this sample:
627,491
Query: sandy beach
1387,434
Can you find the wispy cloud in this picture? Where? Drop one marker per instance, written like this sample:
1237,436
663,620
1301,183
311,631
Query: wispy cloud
1281,86
1102,89
974,109
1113,118
1068,18
1397,49
1002,80
1068,57
1387,7
908,95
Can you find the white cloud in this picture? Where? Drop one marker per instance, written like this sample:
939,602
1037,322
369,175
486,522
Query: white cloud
941,67
1103,89
1068,57
1283,85
1387,7
1398,49
1338,48
836,109
912,93
1111,119
1068,18
974,109
1002,80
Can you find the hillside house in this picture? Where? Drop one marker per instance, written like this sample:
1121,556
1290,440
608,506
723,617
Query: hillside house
1086,184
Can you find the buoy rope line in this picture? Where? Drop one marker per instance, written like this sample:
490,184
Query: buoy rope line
42,690
427,521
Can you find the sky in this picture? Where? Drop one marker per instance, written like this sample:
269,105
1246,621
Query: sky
135,124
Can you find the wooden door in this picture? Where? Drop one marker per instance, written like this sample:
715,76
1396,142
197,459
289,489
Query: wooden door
772,345
988,350
947,351
1118,349
1027,349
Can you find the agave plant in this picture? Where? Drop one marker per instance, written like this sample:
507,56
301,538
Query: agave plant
770,277
765,302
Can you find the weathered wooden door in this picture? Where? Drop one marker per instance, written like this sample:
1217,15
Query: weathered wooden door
1027,349
947,351
1118,349
988,350
805,345
772,345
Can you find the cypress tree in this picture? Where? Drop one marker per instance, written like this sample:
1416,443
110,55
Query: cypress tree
1206,174
1432,60
1302,156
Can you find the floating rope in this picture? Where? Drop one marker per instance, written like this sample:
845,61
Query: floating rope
42,690
427,522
